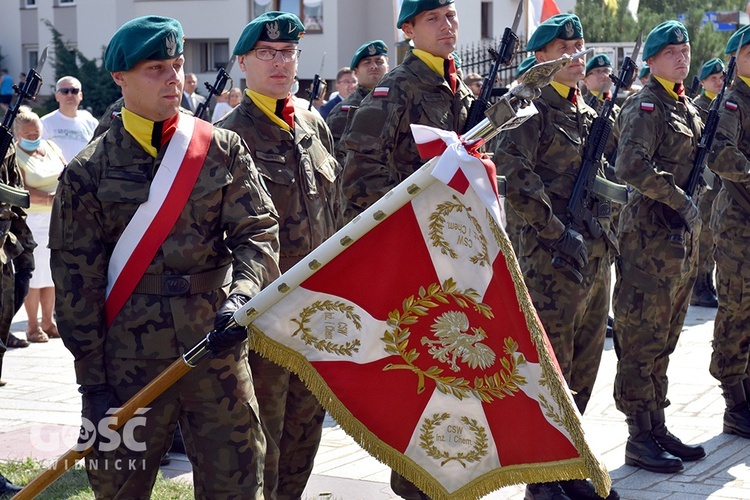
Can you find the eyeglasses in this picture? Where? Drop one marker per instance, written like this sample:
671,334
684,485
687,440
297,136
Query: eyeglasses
68,91
266,54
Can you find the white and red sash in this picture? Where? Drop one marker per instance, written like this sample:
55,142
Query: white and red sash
154,219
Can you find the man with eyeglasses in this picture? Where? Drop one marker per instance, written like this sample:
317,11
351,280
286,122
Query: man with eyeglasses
69,127
293,150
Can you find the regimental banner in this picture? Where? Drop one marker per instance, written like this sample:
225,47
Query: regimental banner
413,327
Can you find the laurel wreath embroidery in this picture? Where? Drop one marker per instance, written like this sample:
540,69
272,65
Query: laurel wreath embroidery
346,349
437,223
427,441
504,383
549,410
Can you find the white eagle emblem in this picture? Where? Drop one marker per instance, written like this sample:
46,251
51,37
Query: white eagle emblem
171,43
272,30
371,49
678,34
454,344
569,31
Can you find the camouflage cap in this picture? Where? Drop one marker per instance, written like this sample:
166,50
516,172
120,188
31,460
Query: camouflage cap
667,33
711,67
150,37
598,61
369,49
410,8
734,40
525,65
564,26
272,26
644,71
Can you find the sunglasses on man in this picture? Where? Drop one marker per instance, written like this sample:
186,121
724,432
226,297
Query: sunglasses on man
68,91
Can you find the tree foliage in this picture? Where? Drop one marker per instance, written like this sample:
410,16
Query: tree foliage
99,89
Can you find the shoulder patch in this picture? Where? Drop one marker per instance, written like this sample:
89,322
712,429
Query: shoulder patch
345,107
731,106
647,106
380,92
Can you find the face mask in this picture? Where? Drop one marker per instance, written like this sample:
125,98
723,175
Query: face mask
30,145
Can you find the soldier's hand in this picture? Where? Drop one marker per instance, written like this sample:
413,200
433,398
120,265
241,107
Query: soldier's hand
689,213
96,400
571,245
22,279
223,338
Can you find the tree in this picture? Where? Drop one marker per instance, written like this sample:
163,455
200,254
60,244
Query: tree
99,89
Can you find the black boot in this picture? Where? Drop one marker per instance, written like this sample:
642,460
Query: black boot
671,443
8,488
642,450
545,491
582,489
704,294
737,412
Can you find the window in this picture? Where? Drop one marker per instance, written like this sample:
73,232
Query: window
486,20
30,4
309,11
32,58
65,3
213,54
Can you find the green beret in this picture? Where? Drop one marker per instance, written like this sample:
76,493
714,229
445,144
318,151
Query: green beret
410,8
734,40
270,27
374,48
711,67
525,65
667,33
150,37
564,26
598,61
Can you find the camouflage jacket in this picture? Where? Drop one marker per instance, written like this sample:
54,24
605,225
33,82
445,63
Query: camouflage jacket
657,139
731,159
16,241
298,167
341,115
703,103
229,218
381,151
541,160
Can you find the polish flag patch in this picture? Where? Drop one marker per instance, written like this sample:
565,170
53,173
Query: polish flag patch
345,108
731,106
647,106
380,92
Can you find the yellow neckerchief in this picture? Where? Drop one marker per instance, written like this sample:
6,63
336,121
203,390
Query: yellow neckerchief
709,94
436,63
142,129
268,106
562,89
745,79
669,86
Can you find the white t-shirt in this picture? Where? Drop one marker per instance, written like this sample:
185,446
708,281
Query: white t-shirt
70,134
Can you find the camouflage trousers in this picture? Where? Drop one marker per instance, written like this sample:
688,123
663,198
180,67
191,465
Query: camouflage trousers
573,315
292,420
706,245
731,343
217,412
7,306
651,298
514,224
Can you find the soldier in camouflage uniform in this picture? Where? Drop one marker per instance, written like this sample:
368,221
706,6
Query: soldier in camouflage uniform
704,293
293,149
540,160
222,247
369,64
731,209
16,252
658,132
423,89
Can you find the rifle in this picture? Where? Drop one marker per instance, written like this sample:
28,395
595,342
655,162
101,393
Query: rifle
29,90
585,186
314,92
216,89
503,56
694,86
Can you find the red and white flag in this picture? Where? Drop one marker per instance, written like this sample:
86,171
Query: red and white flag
413,327
539,11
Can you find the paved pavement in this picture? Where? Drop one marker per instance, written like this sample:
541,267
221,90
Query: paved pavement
39,417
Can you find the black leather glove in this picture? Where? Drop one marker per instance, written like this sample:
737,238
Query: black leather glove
688,212
223,338
22,278
571,246
96,401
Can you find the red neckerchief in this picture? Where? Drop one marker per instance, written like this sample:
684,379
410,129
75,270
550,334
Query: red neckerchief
679,89
573,95
607,95
163,131
285,110
449,68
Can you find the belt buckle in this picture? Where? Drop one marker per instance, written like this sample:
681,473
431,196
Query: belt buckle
175,286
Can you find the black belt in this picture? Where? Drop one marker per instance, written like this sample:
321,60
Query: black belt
177,285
